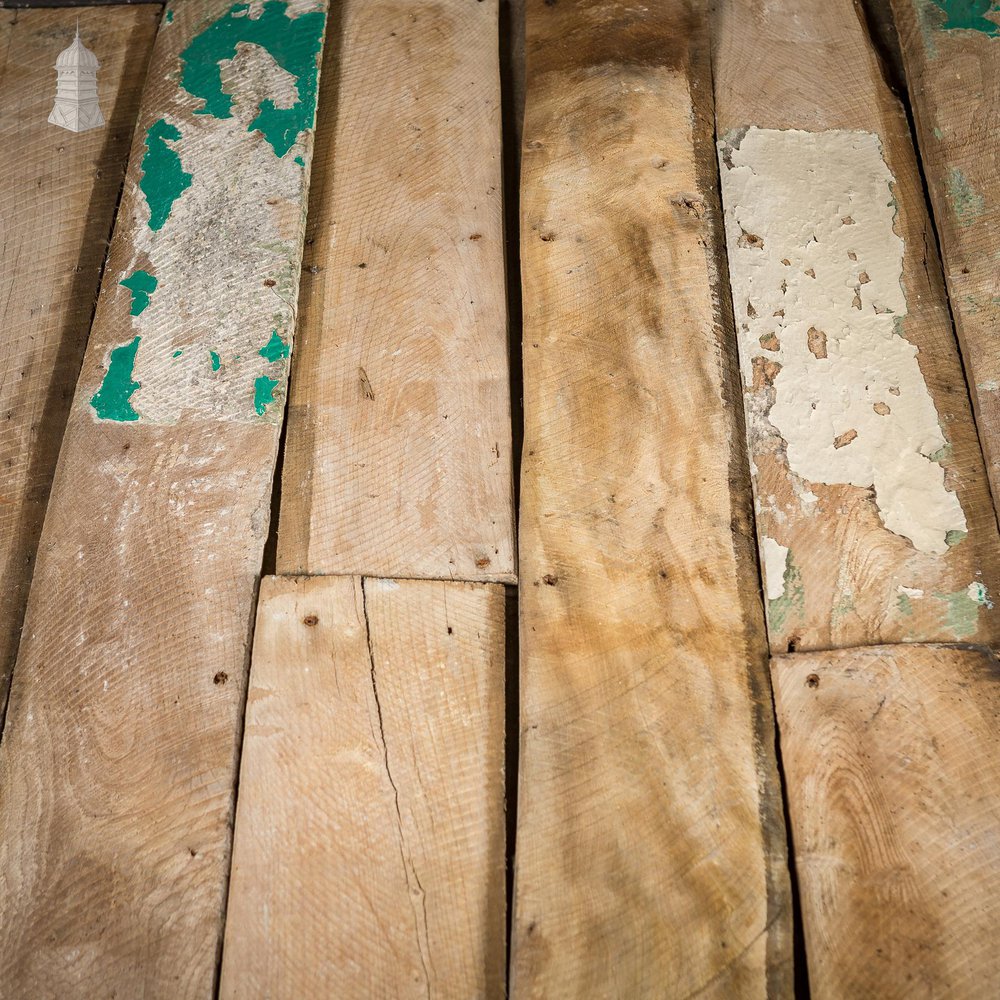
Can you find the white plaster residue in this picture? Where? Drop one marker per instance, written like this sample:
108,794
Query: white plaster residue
816,271
775,562
911,591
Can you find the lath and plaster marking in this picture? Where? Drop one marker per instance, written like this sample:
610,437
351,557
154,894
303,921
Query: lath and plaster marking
816,269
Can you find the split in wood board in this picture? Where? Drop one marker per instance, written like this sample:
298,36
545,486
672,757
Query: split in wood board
951,52
118,760
369,855
873,511
398,451
892,764
57,203
650,843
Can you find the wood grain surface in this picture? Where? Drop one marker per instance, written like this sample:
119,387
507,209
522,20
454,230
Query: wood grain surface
650,854
873,509
369,848
118,760
57,204
951,52
398,454
891,763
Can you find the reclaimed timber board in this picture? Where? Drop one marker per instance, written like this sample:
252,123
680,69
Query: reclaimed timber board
118,759
951,51
873,510
57,205
368,857
892,763
650,851
398,453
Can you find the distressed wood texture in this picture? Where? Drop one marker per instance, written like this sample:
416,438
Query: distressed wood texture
118,759
951,51
891,765
398,454
650,844
57,204
873,509
369,849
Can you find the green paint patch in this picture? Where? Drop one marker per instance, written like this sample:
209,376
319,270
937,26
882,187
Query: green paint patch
263,393
842,608
216,360
177,354
275,349
954,536
938,134
163,179
141,284
300,161
968,205
969,15
904,605
293,42
962,609
111,401
942,454
169,17
792,600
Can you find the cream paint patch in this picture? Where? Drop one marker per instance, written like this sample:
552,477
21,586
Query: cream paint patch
816,269
775,563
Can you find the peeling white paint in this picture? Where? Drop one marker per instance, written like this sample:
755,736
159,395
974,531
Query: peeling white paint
816,270
775,562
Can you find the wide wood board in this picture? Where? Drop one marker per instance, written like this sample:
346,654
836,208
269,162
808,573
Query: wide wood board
891,758
118,760
873,510
650,852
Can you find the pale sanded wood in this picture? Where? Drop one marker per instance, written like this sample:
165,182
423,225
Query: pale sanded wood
650,853
368,858
891,764
849,579
57,203
118,758
398,455
951,52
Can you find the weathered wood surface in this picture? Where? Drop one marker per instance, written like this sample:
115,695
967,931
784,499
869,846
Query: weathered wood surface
951,52
398,454
650,848
892,764
118,759
57,203
368,858
873,510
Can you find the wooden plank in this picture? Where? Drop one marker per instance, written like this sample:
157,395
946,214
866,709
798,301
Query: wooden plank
891,767
650,845
118,758
951,52
873,510
369,849
397,459
57,204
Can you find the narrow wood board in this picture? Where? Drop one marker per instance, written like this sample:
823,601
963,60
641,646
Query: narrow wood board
891,765
368,858
873,510
951,52
118,760
57,204
398,453
650,850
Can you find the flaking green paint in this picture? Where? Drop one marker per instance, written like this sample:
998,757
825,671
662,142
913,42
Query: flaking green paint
263,393
163,178
954,536
141,284
793,597
177,354
904,605
216,360
300,161
968,205
969,15
169,17
275,349
962,609
111,401
293,43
